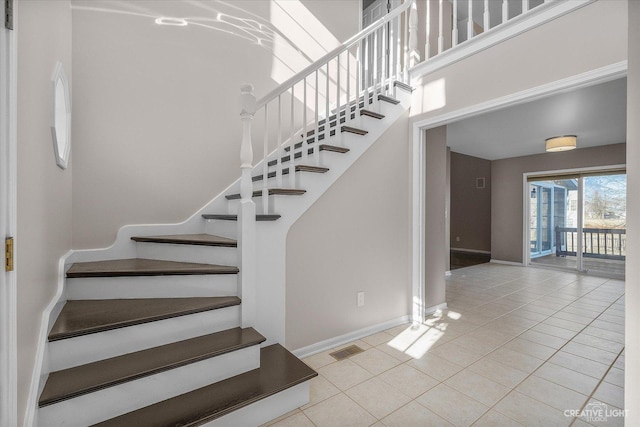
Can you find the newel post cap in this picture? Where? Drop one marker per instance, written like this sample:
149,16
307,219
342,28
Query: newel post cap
247,99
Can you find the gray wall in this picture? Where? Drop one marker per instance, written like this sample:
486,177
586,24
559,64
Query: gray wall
356,237
632,297
157,126
506,189
470,206
44,190
435,219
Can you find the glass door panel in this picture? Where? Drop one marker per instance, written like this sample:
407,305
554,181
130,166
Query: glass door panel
545,220
550,220
604,224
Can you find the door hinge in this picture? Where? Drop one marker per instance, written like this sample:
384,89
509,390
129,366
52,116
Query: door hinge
8,14
8,254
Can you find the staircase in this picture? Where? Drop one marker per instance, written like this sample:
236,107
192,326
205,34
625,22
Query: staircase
166,326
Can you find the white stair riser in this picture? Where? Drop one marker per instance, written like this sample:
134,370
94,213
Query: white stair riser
301,179
267,409
102,345
123,398
223,228
275,205
188,253
207,285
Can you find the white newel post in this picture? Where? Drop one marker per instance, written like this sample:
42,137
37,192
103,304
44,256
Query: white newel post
414,55
247,213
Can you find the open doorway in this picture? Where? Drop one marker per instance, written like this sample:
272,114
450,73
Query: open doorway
578,221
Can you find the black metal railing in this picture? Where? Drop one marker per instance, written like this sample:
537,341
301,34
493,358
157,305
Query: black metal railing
606,243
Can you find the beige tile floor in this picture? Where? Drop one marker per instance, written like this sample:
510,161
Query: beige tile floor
517,346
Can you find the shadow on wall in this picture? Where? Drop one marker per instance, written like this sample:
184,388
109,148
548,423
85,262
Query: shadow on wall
294,36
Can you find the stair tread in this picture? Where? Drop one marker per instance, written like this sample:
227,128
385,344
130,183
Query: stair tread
79,380
83,317
231,217
272,192
369,113
144,267
323,147
278,371
403,86
389,99
351,129
189,239
299,168
333,148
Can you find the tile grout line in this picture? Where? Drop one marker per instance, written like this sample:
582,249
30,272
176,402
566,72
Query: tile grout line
556,352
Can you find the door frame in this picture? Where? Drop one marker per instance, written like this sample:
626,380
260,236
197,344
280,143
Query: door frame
8,217
418,161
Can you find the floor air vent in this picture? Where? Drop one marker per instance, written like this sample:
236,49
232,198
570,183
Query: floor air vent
346,352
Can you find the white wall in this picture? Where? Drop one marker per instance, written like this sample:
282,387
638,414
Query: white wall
44,190
632,297
157,126
355,238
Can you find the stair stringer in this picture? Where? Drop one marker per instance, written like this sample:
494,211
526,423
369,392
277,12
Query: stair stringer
271,240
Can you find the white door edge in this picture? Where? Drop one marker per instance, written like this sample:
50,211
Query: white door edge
8,193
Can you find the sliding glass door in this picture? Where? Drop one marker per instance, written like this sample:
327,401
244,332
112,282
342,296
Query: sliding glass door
578,222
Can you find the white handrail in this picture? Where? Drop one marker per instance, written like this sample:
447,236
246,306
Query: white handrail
332,54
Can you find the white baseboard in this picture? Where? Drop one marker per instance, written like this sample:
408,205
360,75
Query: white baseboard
351,336
498,261
430,310
41,365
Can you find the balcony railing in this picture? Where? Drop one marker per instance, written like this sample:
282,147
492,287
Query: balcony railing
604,243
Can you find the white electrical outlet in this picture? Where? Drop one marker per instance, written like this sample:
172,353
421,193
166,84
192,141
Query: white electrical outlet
360,299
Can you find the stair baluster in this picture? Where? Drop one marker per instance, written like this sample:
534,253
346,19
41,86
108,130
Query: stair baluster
265,165
247,213
316,130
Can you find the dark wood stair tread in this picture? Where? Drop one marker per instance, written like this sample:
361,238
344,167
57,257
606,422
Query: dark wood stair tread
144,267
370,113
272,192
299,168
80,380
351,129
189,239
388,99
402,85
323,147
278,371
83,317
231,217
333,148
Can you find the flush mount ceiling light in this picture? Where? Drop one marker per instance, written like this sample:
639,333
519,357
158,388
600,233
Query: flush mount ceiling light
561,143
175,22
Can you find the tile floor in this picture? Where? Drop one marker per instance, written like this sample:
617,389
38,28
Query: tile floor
517,346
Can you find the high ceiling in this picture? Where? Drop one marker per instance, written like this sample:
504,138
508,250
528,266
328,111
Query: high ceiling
596,114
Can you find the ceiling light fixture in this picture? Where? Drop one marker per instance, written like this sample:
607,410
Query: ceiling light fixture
561,143
176,22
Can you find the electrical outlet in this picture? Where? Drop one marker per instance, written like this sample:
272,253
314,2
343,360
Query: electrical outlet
360,299
458,239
